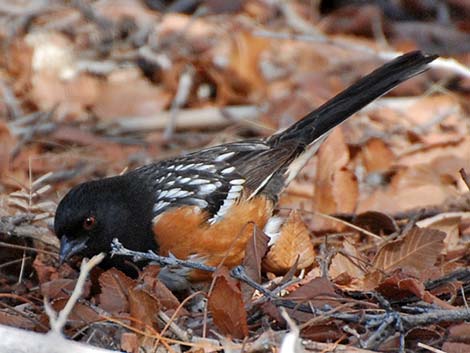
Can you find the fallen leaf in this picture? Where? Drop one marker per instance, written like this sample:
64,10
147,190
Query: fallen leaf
448,223
415,252
460,332
292,243
144,307
157,289
15,320
81,314
114,291
226,305
377,156
130,342
127,94
255,250
455,347
376,222
319,291
400,285
348,261
61,288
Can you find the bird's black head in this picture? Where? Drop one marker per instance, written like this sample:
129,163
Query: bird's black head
92,214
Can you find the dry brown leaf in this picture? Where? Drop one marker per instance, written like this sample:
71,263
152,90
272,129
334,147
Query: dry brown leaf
416,252
336,188
157,289
400,285
114,291
255,250
130,342
71,96
127,94
81,315
460,332
448,223
348,262
245,59
15,320
60,288
414,187
144,307
429,154
319,291
226,305
455,347
376,222
377,156
292,243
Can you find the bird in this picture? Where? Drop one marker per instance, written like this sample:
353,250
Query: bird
202,206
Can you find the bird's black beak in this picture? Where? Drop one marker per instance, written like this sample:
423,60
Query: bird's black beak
70,247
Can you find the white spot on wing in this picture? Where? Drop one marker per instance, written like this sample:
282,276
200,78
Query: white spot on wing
206,189
198,182
228,170
204,167
184,166
162,194
237,181
224,156
160,205
177,193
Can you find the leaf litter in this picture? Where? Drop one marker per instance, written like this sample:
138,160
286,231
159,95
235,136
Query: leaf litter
392,171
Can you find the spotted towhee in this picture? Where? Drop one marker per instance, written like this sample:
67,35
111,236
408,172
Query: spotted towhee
198,206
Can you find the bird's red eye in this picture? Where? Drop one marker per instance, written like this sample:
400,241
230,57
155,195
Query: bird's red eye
89,222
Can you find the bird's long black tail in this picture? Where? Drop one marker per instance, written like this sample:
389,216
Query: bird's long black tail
317,123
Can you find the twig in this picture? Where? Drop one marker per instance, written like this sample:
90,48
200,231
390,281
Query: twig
58,322
429,348
42,234
237,272
348,224
187,119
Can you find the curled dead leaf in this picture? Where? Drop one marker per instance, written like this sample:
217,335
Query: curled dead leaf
226,305
348,262
114,291
293,242
143,307
377,156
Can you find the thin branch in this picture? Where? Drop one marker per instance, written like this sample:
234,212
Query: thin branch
58,322
187,119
